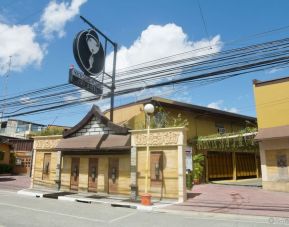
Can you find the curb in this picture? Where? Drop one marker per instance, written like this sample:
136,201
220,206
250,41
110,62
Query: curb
27,193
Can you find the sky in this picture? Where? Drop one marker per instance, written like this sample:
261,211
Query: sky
39,36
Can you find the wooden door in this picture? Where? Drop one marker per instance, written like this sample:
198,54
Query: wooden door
113,174
220,165
92,174
156,168
74,178
46,166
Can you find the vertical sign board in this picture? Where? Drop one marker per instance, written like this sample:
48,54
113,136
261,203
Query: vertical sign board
189,160
89,55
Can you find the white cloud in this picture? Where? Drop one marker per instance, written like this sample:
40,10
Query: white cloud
219,105
56,15
159,41
18,41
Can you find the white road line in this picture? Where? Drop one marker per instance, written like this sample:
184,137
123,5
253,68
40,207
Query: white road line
54,213
11,192
122,217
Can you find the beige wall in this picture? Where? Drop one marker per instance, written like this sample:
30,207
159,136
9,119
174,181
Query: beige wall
41,146
272,175
172,143
6,149
102,180
38,169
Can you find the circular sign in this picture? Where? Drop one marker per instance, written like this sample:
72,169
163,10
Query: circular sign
88,52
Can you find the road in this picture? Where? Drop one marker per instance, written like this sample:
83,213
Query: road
19,210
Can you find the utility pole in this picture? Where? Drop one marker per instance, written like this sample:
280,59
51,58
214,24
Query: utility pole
5,89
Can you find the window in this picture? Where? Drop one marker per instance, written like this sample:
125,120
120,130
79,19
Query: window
156,169
220,128
46,166
21,128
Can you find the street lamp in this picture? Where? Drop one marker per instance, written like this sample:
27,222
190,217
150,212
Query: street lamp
146,198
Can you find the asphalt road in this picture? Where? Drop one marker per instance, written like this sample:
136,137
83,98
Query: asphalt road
19,210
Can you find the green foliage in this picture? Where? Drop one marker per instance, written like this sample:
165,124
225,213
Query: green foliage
5,168
242,140
189,181
198,165
50,131
164,119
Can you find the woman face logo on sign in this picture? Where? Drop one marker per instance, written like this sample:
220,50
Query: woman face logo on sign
93,46
88,52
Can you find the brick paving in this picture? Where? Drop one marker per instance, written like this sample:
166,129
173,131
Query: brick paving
14,183
235,200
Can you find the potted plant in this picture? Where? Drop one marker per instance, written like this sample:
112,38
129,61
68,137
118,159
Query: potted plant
198,167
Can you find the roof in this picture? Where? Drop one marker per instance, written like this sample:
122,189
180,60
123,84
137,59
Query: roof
258,83
273,133
95,112
188,106
95,142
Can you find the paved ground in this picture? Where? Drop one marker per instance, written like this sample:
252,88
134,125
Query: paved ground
235,200
17,210
14,183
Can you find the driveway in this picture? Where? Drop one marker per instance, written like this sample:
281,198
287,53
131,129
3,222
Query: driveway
229,199
14,183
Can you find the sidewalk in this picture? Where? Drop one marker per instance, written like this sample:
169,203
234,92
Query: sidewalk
113,200
226,199
14,183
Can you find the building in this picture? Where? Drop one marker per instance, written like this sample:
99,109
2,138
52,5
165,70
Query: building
97,155
271,98
19,129
5,149
201,121
22,150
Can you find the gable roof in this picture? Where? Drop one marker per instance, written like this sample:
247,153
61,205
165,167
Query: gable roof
188,106
95,112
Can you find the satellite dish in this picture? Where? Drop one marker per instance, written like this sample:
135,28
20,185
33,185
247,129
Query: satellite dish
88,52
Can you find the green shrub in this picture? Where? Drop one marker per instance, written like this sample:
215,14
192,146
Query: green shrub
5,168
189,181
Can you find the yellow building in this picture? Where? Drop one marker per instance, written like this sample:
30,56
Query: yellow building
99,156
271,98
201,121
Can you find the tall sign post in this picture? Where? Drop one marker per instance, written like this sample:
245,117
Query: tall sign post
90,57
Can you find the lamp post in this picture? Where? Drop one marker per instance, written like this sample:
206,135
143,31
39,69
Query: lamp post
146,198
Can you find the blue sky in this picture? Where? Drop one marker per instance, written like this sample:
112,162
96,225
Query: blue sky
47,38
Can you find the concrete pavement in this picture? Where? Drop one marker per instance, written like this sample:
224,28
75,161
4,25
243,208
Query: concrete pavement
242,200
18,210
14,183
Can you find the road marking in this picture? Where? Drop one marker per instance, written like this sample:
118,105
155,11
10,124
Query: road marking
122,217
11,192
54,213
